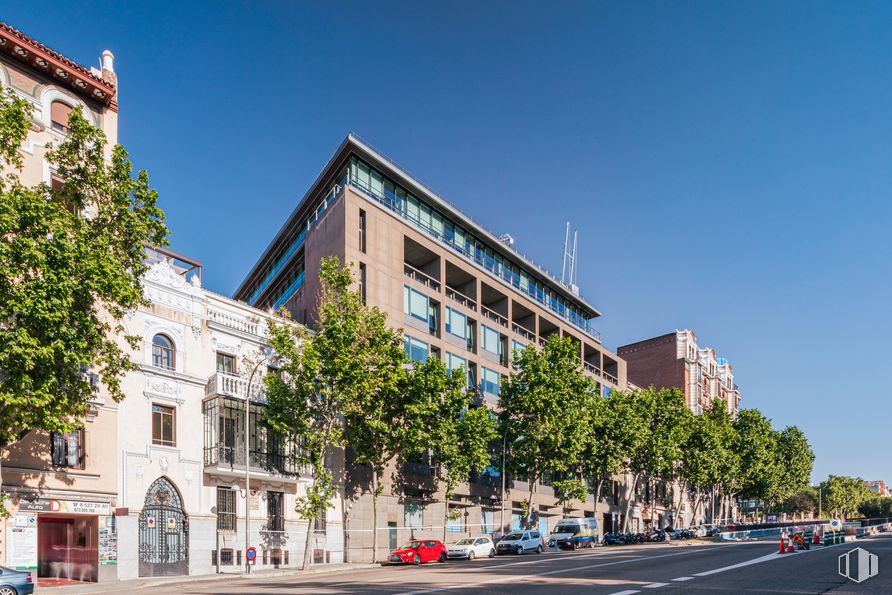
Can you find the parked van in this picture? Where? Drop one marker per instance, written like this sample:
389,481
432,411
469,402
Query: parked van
574,533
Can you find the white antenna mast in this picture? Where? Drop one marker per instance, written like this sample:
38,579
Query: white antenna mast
569,258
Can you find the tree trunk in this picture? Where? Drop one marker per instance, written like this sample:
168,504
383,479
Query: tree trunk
598,485
630,494
445,517
534,487
697,503
374,515
681,499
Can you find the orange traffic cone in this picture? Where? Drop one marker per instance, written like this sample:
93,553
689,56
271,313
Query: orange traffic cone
783,545
817,539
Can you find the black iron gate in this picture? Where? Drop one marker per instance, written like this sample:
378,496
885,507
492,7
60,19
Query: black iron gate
163,532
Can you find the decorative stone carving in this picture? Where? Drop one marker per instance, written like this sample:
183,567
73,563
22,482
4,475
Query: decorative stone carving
163,274
162,388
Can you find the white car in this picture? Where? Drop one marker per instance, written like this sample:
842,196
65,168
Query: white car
471,547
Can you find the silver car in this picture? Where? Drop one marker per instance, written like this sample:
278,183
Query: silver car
471,547
518,542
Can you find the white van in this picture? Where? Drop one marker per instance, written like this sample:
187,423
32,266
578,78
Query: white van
574,533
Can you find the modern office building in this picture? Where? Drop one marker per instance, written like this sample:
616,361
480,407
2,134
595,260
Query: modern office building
62,489
675,360
460,293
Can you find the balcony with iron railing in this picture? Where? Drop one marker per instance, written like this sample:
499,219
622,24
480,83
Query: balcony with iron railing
230,460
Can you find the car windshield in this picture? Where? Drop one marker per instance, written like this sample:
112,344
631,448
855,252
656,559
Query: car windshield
464,542
513,537
566,529
411,545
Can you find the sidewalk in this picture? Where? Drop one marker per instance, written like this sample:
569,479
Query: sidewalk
142,583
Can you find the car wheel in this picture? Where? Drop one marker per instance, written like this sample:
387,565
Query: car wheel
492,553
442,556
539,549
416,560
7,591
471,555
519,550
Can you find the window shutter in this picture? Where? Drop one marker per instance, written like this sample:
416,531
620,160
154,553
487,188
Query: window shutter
57,442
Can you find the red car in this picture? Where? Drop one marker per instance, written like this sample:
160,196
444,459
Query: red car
418,551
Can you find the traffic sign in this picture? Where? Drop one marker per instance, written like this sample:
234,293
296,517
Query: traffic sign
251,555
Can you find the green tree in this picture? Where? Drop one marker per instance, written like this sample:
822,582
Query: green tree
657,425
756,443
352,357
439,414
843,495
802,502
543,410
71,262
633,411
876,507
602,454
793,464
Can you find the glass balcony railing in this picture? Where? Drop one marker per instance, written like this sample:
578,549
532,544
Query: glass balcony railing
397,205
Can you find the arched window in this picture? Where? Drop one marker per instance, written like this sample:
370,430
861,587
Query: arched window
59,113
163,352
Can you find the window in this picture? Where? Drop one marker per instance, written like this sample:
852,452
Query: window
456,323
490,381
68,449
415,303
454,362
275,509
226,557
412,512
362,281
320,522
226,514
491,340
362,231
517,346
164,428
416,350
59,113
487,520
163,352
225,363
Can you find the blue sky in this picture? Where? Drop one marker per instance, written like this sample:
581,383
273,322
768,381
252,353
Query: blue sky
727,165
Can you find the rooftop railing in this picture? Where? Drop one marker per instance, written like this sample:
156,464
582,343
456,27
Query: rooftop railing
395,204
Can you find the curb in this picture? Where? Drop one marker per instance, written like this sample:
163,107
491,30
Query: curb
135,584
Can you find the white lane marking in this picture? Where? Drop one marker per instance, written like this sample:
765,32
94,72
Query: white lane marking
654,585
683,578
539,560
548,573
626,592
759,560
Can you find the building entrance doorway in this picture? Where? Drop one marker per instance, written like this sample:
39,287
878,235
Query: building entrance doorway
67,547
163,532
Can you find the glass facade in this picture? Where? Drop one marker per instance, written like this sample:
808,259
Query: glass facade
445,230
489,381
491,340
416,351
456,323
415,304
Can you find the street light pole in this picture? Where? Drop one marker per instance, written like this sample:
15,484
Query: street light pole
502,498
248,463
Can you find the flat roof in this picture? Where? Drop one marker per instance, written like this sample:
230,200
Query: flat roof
355,144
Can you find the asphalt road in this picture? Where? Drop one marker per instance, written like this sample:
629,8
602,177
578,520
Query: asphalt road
731,568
